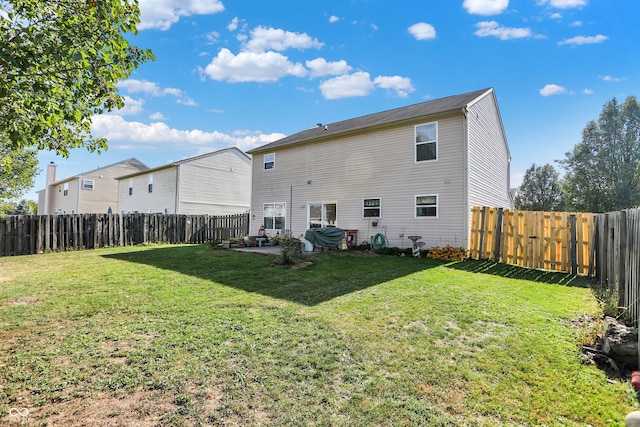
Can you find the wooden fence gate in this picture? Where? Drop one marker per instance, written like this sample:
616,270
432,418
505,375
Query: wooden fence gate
559,241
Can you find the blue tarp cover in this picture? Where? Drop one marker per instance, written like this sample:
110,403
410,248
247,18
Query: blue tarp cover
327,237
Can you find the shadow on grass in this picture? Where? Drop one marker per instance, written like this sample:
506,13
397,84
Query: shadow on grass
517,272
315,279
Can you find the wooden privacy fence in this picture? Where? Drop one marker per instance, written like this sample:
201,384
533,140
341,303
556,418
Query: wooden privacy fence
617,257
559,241
31,234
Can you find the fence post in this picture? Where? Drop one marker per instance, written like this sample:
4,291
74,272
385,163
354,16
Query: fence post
622,258
498,236
594,267
482,231
573,245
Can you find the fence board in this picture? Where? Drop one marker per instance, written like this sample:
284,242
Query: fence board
31,234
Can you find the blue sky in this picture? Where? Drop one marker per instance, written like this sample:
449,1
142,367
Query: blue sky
244,72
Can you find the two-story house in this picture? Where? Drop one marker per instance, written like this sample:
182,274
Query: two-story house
95,191
217,183
416,170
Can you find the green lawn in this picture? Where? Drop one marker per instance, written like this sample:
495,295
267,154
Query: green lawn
190,335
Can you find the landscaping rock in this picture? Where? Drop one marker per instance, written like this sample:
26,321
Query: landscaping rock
620,343
633,419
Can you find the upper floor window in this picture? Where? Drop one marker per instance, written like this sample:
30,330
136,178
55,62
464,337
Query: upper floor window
371,208
65,189
150,184
426,142
427,206
269,161
87,184
131,187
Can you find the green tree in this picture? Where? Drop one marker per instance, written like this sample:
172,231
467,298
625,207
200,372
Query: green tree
26,207
60,61
540,190
18,168
603,171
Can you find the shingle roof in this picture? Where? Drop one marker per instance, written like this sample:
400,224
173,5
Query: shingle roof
179,162
422,109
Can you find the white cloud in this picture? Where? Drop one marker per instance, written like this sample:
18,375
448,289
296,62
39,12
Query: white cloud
233,25
131,107
493,29
158,116
401,85
611,79
117,130
252,67
360,84
587,92
212,37
579,40
162,14
552,89
422,31
485,7
563,4
333,19
576,24
151,88
320,67
347,86
556,15
264,39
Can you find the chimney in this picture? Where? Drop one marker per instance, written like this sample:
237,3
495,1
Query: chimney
51,173
48,188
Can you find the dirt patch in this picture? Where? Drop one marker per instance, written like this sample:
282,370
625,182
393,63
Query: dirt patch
140,408
300,265
20,301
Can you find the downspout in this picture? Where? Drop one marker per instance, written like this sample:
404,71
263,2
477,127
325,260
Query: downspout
465,181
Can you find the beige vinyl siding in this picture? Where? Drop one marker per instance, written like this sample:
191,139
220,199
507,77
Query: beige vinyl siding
161,200
66,204
105,188
488,156
366,165
216,185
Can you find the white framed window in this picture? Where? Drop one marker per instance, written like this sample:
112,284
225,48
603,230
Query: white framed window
269,161
426,206
322,214
87,184
65,189
426,139
150,184
274,216
371,208
131,187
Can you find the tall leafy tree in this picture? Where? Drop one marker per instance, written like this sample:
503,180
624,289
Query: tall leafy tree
540,190
603,171
18,168
60,61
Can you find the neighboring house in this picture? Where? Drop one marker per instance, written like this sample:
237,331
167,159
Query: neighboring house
416,170
95,191
217,183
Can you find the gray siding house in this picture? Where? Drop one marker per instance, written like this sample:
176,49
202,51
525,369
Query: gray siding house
415,170
95,191
217,183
